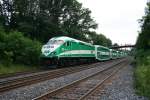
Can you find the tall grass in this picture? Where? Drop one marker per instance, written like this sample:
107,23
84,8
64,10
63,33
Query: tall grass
142,76
16,68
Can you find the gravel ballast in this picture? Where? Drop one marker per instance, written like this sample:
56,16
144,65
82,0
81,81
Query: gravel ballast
29,92
121,87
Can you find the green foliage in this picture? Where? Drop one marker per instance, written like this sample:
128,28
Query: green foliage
142,74
99,39
142,71
18,49
43,19
142,57
7,58
115,45
13,68
143,41
40,20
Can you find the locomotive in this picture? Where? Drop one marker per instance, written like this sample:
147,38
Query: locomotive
64,51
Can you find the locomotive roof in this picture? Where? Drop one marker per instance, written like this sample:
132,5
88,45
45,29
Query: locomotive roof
65,38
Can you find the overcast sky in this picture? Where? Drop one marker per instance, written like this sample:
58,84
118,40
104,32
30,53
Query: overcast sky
117,19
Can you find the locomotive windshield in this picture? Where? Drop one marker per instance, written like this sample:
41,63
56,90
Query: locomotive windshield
58,42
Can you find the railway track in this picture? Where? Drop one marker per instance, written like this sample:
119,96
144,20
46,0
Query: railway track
9,75
20,82
82,88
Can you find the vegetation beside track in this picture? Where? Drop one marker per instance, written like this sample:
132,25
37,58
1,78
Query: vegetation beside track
142,76
15,48
16,68
142,70
17,52
42,20
30,23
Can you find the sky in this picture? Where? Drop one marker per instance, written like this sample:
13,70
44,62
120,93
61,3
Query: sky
117,19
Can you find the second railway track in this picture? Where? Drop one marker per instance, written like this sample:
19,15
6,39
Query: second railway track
80,89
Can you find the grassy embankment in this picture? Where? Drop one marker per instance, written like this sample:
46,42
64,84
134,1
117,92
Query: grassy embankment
16,68
142,74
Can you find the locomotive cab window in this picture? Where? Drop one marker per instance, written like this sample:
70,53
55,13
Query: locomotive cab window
57,42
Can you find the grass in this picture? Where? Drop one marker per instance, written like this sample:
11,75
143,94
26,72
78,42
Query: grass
142,77
16,68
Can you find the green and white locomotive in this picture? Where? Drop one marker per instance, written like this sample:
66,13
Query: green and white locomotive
68,51
65,51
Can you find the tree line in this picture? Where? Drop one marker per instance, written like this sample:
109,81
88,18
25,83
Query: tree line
143,41
27,24
43,19
142,71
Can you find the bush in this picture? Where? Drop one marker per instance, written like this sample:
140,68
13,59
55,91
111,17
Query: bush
16,48
142,80
142,73
143,57
7,58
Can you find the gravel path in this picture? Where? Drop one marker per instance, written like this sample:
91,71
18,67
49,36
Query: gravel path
29,92
122,87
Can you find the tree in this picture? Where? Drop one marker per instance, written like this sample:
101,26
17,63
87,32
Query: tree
99,39
115,45
43,19
16,48
143,41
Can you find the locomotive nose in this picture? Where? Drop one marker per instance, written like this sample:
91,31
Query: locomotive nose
48,49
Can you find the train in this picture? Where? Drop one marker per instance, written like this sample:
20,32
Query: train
64,51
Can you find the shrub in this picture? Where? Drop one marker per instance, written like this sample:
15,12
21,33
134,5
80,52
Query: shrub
143,57
142,73
142,80
16,48
7,58
3,38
